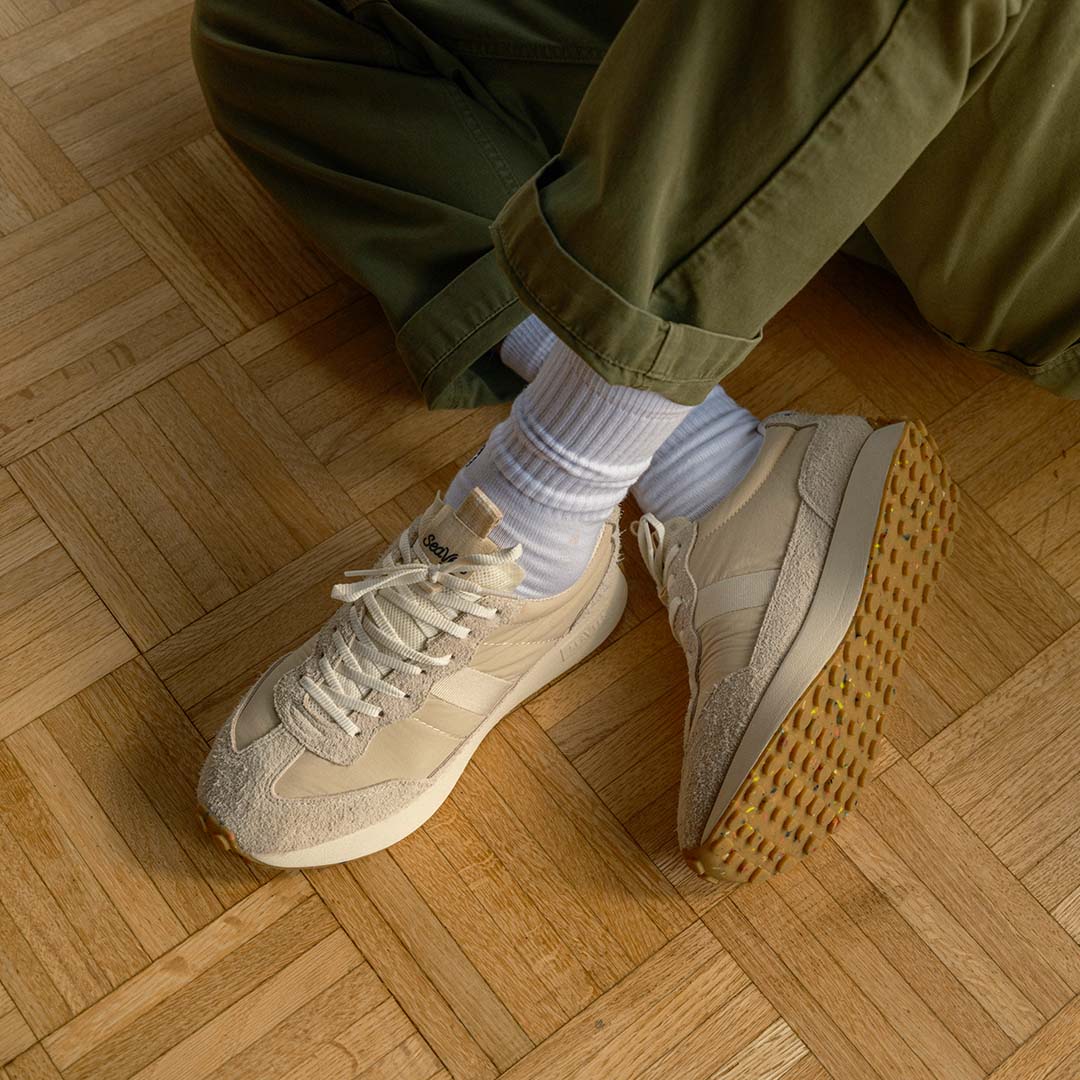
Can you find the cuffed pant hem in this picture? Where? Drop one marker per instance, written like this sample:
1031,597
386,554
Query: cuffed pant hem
445,343
1060,374
627,345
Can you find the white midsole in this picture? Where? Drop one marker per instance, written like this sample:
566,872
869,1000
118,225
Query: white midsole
598,619
834,605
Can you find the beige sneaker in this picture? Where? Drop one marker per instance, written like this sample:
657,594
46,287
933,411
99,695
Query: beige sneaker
355,739
795,599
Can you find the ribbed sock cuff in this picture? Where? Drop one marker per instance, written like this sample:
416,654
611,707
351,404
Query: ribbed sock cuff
576,442
526,347
702,460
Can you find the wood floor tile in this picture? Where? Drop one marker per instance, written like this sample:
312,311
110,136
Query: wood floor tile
15,1034
113,876
636,1028
187,493
871,920
1003,477
404,977
837,977
332,1036
223,993
1052,1054
217,237
110,82
34,1064
54,898
109,1018
35,176
56,635
1055,878
162,751
90,321
992,421
326,365
1046,500
204,424
946,931
98,841
497,903
838,1052
640,906
16,15
972,758
1040,960
995,610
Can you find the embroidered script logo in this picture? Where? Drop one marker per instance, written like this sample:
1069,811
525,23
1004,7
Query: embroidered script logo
440,551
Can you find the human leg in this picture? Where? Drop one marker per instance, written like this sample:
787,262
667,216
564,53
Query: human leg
393,134
791,546
659,322
674,222
984,227
695,467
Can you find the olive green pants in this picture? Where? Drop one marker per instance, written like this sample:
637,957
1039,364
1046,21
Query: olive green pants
655,180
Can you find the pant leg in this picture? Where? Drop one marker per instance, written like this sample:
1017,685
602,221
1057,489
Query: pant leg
722,152
984,228
393,134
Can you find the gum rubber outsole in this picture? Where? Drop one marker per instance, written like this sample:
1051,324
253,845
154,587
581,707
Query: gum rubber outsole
809,776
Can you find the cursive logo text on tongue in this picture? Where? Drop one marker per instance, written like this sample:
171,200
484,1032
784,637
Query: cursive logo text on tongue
440,551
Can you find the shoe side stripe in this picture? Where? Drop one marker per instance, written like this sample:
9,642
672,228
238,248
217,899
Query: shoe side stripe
735,594
470,689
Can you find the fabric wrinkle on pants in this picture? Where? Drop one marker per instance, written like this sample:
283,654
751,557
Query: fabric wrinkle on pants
656,180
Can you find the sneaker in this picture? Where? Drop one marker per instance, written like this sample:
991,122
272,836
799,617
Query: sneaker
795,599
355,739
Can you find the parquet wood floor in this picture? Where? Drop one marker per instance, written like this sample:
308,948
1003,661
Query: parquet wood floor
202,424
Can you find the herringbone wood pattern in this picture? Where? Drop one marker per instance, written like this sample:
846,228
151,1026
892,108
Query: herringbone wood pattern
202,424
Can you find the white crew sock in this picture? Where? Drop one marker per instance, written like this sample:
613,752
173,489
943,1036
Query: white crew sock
699,464
561,462
702,461
526,347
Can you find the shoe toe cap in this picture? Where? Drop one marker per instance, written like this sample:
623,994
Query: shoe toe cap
237,790
236,785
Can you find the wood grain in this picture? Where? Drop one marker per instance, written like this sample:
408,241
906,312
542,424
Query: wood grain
202,424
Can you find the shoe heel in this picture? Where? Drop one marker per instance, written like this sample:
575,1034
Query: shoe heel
810,774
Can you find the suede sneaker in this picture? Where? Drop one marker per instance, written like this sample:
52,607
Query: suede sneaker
355,739
795,599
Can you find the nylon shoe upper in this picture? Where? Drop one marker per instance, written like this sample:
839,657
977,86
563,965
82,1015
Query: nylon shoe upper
356,724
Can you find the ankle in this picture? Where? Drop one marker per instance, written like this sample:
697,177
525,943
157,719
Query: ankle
562,462
526,347
702,461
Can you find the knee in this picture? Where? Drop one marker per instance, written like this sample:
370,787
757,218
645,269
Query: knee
244,50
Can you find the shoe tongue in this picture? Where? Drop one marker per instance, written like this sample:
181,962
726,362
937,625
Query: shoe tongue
444,535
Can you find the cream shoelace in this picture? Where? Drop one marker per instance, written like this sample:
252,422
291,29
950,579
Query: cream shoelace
430,596
658,554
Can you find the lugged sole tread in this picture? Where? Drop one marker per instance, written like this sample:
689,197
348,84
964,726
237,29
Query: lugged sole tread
809,776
